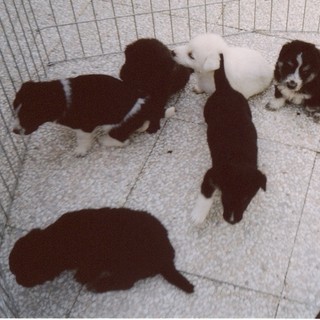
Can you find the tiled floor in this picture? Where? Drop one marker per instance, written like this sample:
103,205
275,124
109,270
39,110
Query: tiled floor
266,266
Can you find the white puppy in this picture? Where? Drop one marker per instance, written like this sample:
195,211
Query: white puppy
247,71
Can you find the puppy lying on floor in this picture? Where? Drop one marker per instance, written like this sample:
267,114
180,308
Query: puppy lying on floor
110,249
297,77
85,103
247,71
149,67
232,139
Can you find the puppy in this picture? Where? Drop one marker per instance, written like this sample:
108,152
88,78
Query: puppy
297,77
247,71
232,139
149,67
84,103
109,249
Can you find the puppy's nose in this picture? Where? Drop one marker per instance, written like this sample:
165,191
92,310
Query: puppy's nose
173,53
291,84
16,131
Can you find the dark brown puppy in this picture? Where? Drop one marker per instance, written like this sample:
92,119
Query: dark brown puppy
150,68
110,249
232,140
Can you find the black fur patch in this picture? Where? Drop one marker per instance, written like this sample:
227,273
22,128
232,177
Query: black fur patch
149,67
95,100
110,249
232,139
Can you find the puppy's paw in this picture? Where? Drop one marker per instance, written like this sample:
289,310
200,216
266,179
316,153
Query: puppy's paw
316,117
201,209
108,141
144,127
170,112
269,106
197,217
84,143
80,151
275,104
197,90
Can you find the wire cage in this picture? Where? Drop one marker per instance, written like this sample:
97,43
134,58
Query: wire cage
36,35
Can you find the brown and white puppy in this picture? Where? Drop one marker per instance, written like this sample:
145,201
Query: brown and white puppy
85,103
297,77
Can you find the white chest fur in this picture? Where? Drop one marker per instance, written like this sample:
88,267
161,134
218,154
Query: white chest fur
294,97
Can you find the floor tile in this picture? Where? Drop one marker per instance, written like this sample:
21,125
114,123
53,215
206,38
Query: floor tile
304,270
156,298
267,265
294,309
54,181
253,253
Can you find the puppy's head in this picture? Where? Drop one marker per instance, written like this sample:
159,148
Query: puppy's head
30,108
201,53
32,259
148,65
238,190
298,64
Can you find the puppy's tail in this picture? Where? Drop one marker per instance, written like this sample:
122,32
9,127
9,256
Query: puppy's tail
220,77
173,276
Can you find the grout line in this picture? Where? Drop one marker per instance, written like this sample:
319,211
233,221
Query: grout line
203,277
148,156
144,164
244,288
297,232
68,313
150,152
290,145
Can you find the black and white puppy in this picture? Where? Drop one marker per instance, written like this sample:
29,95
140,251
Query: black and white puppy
149,67
297,77
84,103
232,139
109,249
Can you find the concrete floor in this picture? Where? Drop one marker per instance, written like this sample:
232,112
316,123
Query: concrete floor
264,267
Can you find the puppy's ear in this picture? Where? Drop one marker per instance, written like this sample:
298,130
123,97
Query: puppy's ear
212,63
24,91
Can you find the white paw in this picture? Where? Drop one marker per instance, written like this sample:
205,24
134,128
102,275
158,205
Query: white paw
144,127
271,107
170,112
80,151
197,90
201,209
108,141
316,117
84,142
275,104
197,217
